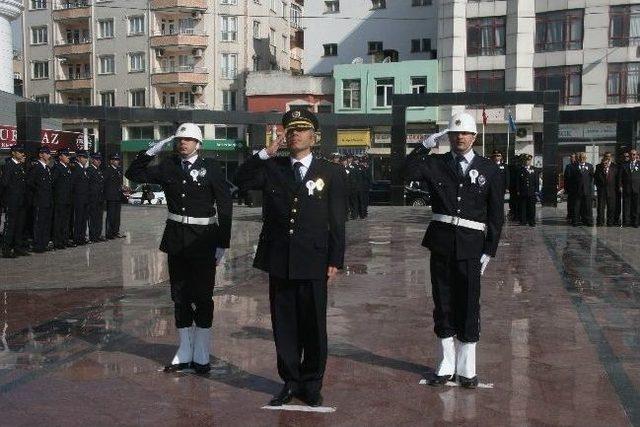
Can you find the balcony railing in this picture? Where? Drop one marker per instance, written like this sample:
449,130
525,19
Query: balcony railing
180,32
181,69
72,4
184,106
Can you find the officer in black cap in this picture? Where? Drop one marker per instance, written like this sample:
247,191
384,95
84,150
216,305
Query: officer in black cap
301,245
96,198
62,200
80,191
39,187
113,196
528,183
13,188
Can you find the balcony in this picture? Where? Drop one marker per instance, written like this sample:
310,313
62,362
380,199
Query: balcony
83,81
185,74
81,47
72,10
179,4
194,106
189,37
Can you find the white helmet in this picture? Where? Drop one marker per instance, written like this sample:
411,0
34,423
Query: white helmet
189,130
463,122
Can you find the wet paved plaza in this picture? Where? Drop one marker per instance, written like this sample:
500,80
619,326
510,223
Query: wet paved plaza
84,332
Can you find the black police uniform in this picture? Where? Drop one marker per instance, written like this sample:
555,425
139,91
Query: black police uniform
514,203
630,180
302,235
39,182
113,197
607,183
568,188
581,185
528,183
363,191
354,178
62,204
13,186
456,250
80,191
191,248
96,203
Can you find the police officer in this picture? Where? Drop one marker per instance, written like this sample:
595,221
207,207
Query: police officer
301,245
496,156
528,182
113,196
13,185
80,191
630,181
607,182
467,194
194,237
39,185
354,178
363,188
62,200
581,186
96,198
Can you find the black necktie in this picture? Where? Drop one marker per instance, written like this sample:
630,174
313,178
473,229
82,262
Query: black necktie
460,159
185,165
298,172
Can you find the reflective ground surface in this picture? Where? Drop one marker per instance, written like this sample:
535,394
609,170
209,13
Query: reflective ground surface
84,332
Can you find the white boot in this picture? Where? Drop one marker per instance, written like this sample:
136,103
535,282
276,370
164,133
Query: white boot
447,364
201,346
185,350
466,360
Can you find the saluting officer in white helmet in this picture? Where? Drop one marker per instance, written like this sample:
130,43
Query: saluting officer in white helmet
198,229
467,195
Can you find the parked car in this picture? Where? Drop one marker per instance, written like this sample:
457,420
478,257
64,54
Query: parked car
158,197
380,193
416,194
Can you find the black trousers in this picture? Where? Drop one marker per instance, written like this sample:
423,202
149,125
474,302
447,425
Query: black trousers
583,209
618,212
455,286
354,204
13,235
631,207
514,207
363,201
570,205
61,220
606,212
80,218
299,322
95,220
41,227
528,210
113,219
192,281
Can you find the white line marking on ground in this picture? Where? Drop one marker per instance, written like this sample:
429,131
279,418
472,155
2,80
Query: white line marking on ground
301,408
452,384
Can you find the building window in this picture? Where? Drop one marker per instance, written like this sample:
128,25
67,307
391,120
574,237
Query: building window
256,63
230,2
256,29
38,4
374,47
78,71
140,132
624,25
568,80
351,94
486,36
623,83
332,6
78,36
417,3
273,5
42,99
560,30
272,40
485,81
108,98
107,64
330,49
285,43
418,85
384,92
39,35
136,25
378,4
284,10
226,132
229,100
136,62
105,28
40,70
229,65
138,98
420,45
295,13
229,28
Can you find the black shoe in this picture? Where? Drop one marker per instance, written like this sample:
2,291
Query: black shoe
438,380
201,369
314,400
177,367
468,382
282,398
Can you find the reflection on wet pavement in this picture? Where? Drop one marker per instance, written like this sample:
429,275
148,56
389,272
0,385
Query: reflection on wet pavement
83,343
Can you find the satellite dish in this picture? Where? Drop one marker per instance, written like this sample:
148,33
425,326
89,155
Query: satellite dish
357,60
386,60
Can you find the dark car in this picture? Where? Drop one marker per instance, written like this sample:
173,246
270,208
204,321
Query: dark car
416,194
380,193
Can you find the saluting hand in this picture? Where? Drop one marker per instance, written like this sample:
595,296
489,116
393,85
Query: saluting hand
279,143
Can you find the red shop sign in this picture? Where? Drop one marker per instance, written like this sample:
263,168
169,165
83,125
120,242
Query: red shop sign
54,139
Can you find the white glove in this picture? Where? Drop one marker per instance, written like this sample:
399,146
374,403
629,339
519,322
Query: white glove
484,261
431,141
219,255
157,147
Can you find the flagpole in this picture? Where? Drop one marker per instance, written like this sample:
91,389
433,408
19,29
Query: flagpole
508,134
483,139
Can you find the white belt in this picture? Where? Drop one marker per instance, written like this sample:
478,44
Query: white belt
460,222
191,220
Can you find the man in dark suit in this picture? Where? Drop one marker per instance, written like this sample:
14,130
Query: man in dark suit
39,186
113,196
467,195
607,183
528,183
514,203
62,200
568,185
581,185
197,231
96,198
301,246
621,214
496,156
80,192
630,180
13,189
